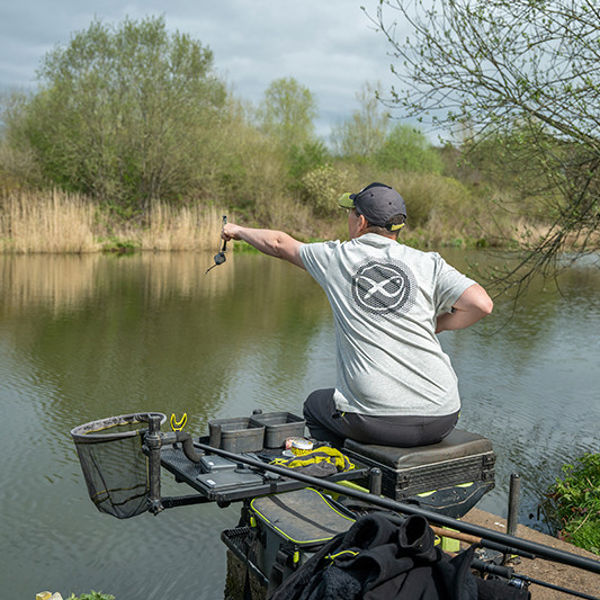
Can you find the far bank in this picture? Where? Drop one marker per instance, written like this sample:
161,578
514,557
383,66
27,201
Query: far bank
61,222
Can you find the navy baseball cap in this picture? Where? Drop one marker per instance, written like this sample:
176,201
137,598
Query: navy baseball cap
378,203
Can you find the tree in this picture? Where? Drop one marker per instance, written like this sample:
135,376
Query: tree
124,113
524,71
287,112
363,134
407,149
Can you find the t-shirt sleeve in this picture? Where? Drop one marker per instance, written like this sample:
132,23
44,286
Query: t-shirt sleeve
449,286
317,258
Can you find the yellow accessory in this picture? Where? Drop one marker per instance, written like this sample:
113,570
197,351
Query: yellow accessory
332,557
320,454
345,201
178,425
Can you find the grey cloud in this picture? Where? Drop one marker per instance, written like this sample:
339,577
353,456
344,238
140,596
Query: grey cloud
329,46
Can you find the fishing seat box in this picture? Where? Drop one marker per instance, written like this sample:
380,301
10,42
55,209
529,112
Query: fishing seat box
460,458
290,527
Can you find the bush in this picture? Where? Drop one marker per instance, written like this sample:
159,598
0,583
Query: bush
572,504
321,188
431,197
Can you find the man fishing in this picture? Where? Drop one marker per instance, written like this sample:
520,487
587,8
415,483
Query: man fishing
395,386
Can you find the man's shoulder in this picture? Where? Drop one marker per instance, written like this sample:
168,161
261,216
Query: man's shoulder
414,254
320,248
318,256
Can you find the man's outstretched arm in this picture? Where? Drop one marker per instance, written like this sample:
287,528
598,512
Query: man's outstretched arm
473,304
268,241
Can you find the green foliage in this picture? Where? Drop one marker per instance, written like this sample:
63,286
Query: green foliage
124,113
119,246
287,112
429,196
573,503
408,150
363,134
92,596
306,157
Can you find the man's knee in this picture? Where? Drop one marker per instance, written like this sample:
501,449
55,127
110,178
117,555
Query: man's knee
316,405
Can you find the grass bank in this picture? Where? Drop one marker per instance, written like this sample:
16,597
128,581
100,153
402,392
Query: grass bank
572,505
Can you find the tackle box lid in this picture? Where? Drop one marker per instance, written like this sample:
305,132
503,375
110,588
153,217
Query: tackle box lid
456,445
224,480
212,462
304,517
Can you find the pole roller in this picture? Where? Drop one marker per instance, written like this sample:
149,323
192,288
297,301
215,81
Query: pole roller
513,504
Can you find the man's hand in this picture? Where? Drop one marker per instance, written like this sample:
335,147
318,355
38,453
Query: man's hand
268,241
230,231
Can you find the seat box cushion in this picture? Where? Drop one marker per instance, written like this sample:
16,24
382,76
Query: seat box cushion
458,444
461,457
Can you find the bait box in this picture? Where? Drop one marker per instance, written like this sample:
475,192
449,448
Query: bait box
236,435
278,427
461,457
291,527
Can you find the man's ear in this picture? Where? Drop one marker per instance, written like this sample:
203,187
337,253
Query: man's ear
363,224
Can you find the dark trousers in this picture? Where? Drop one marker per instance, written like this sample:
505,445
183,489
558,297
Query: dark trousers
328,424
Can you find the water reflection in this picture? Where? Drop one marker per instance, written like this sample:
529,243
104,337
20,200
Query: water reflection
66,282
85,337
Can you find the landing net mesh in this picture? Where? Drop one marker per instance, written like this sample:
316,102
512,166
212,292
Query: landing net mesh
113,464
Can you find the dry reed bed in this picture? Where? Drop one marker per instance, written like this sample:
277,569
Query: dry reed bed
68,223
55,222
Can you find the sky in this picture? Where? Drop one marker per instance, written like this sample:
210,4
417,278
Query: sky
329,46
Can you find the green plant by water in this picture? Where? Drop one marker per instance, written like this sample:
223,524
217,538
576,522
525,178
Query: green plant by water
92,596
572,504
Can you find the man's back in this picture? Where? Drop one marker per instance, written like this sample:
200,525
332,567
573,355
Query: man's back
385,298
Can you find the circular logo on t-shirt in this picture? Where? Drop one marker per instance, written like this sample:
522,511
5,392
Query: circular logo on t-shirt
382,288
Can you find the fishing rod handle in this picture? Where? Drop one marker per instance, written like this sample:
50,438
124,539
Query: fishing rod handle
224,241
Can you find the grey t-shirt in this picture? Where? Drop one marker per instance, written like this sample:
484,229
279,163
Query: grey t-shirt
385,299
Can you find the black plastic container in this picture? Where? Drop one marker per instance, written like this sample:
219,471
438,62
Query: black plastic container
236,435
278,427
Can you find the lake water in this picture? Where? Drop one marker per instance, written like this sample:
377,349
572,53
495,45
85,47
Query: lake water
87,337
